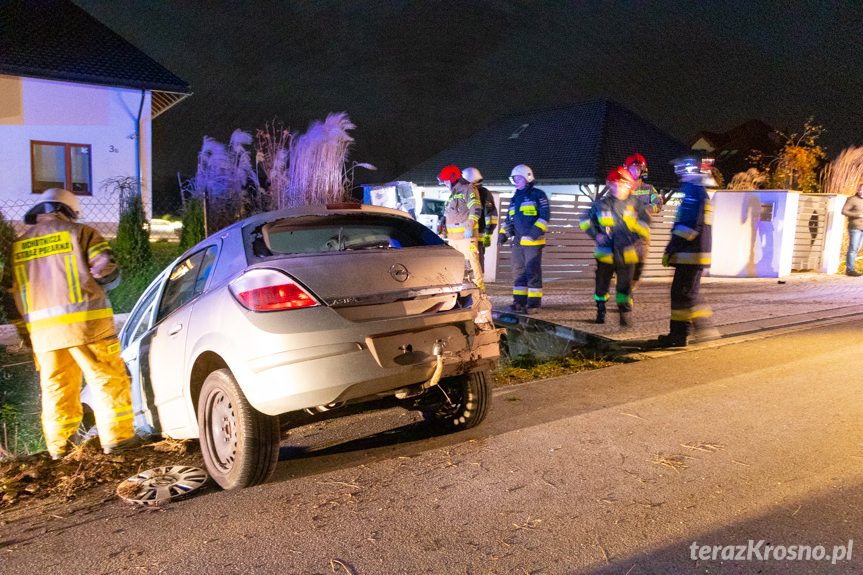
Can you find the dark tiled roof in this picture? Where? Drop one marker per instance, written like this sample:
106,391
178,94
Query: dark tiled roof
573,144
57,40
732,149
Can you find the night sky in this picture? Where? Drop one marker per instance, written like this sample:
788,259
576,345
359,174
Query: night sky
416,77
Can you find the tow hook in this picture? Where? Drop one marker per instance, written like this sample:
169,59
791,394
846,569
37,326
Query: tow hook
437,351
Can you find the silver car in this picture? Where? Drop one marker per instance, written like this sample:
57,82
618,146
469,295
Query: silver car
305,309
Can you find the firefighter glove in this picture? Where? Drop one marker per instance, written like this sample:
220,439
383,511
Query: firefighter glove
665,260
486,240
468,232
501,238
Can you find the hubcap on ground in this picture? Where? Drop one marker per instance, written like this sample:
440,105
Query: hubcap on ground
161,484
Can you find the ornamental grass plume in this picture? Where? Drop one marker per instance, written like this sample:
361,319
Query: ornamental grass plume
844,174
841,177
223,177
751,179
316,174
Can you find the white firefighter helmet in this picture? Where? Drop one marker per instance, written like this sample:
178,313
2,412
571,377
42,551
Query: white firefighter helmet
52,199
472,175
523,171
695,168
693,165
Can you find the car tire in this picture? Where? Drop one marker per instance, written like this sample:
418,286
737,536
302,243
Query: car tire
458,402
240,445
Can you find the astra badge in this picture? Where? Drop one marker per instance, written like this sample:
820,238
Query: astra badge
399,273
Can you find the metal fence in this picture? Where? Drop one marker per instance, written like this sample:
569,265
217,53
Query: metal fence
104,216
569,250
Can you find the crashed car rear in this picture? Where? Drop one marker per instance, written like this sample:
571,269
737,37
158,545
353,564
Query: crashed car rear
310,309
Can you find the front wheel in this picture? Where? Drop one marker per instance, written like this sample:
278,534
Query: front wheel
240,445
458,402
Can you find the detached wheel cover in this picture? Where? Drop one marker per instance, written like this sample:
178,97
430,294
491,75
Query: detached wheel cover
161,485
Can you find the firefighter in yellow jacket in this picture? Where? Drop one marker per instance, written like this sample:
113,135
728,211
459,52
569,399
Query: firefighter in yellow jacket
61,270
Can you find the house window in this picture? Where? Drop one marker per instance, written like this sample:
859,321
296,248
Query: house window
58,165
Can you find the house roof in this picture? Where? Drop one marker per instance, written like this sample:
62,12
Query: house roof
732,149
57,40
576,144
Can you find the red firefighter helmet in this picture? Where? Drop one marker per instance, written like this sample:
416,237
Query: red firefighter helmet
620,175
449,174
638,161
635,160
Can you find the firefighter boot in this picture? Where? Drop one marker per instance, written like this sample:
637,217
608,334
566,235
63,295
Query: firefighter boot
625,320
600,312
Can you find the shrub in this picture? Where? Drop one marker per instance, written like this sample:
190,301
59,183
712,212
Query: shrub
132,246
7,237
193,224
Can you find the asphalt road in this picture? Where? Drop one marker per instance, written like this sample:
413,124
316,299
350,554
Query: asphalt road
619,470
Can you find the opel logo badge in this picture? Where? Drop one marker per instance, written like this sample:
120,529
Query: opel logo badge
399,273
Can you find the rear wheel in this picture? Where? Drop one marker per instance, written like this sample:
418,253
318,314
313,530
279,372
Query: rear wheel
458,402
240,445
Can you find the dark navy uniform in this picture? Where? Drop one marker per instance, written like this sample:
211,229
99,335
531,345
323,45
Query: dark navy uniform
689,252
526,223
619,227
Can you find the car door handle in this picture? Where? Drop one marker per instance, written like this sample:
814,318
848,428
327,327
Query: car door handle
175,329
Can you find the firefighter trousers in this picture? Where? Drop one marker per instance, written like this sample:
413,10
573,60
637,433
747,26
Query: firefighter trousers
688,313
60,377
527,275
468,248
623,288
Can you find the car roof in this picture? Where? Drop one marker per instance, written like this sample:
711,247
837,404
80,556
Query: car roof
316,210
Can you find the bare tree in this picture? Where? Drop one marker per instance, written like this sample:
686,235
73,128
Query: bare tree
273,145
796,165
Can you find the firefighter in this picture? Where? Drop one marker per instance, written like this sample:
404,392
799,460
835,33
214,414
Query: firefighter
689,252
637,166
461,213
652,200
60,272
526,222
488,214
618,222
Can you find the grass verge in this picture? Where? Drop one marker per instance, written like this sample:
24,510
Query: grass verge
20,405
529,368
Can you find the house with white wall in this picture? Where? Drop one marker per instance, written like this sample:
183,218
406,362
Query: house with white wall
77,103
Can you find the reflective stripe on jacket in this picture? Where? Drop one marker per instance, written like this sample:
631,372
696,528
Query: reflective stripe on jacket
488,219
57,265
691,237
528,216
648,195
619,227
462,210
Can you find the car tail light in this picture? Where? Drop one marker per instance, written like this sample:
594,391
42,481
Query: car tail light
269,290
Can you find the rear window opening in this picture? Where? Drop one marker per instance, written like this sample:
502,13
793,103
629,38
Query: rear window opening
340,233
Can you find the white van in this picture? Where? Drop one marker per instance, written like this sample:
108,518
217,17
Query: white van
405,196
